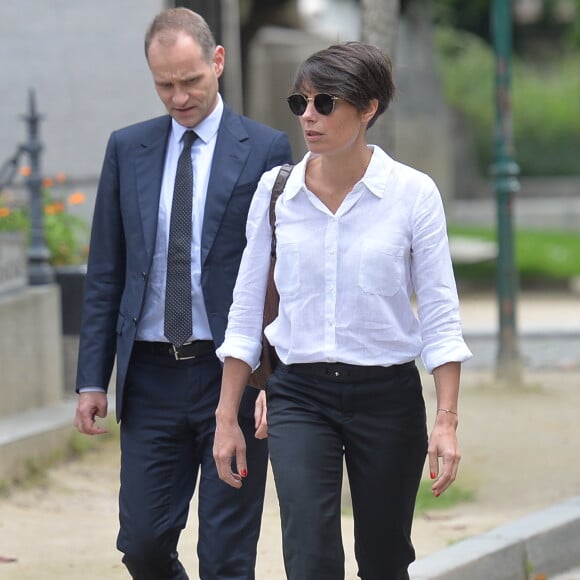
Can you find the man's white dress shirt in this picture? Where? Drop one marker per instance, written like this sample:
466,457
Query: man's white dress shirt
151,323
371,284
150,326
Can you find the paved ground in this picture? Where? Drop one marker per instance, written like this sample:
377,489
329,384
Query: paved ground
548,326
519,455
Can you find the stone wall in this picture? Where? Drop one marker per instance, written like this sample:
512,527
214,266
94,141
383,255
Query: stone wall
33,423
86,63
30,339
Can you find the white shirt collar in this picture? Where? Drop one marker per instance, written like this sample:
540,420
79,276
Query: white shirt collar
375,178
205,129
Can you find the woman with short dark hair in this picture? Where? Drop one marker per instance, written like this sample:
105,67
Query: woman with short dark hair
366,286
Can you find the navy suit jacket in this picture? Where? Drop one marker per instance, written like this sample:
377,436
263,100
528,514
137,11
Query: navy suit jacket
124,230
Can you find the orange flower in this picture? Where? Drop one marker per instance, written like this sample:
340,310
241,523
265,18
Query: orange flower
54,208
48,182
4,212
76,198
25,171
60,177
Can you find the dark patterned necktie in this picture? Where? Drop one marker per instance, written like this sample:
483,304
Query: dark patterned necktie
178,323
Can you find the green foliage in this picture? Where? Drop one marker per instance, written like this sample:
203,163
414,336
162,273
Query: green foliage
472,16
550,32
81,444
65,234
574,32
467,71
541,255
545,104
426,501
546,113
64,237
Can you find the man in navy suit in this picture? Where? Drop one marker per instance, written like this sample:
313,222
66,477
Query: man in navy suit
166,395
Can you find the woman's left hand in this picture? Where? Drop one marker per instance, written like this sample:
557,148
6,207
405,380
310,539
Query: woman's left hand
443,445
260,416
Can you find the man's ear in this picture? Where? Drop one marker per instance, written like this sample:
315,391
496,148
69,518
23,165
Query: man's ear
219,58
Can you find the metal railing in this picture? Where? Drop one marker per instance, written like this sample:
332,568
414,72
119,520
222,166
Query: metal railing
40,270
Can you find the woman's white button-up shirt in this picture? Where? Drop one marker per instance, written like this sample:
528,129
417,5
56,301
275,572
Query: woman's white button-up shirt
371,284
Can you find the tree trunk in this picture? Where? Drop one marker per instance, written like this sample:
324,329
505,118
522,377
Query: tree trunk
379,27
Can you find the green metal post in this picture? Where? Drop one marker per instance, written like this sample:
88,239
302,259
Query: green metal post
39,269
505,173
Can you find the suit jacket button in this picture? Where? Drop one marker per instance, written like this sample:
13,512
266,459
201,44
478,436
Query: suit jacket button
134,320
144,275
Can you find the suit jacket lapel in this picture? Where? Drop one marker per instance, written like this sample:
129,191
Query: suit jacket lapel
231,152
149,161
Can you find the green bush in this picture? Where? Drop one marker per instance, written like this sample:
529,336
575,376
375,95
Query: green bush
546,108
542,257
545,104
426,501
65,234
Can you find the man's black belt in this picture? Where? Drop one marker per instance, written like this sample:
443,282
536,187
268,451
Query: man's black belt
345,373
187,351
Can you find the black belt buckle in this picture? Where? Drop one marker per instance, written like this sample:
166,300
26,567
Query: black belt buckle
178,351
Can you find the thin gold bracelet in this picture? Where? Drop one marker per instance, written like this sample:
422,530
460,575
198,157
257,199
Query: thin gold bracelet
447,411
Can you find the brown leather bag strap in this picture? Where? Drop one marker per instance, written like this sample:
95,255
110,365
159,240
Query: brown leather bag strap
278,188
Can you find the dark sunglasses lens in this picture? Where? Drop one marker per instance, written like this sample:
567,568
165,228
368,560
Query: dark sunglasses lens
297,104
324,103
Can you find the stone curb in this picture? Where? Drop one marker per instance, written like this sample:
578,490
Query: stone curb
33,435
546,542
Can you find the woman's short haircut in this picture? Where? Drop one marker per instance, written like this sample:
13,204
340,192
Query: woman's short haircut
356,72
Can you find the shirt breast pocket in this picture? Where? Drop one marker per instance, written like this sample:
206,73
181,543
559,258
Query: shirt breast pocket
381,269
287,272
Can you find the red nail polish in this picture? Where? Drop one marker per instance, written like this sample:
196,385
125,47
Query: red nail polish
244,473
433,475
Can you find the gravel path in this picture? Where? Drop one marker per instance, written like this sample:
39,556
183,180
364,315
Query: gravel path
520,450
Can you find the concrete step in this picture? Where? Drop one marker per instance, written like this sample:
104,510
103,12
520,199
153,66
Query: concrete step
545,542
570,575
34,436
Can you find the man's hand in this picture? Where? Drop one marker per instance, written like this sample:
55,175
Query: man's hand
91,404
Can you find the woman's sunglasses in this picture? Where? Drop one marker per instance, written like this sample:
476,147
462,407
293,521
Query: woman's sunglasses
323,103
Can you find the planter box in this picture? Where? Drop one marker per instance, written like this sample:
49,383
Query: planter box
71,280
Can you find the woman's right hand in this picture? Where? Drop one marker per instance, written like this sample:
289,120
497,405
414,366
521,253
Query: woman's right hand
229,446
229,452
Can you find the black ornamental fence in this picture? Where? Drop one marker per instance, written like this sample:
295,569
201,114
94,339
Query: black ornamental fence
40,270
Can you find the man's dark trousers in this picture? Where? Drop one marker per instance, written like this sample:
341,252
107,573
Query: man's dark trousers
123,243
167,430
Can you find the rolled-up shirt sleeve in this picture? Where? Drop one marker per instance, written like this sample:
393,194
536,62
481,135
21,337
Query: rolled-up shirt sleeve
435,288
243,338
